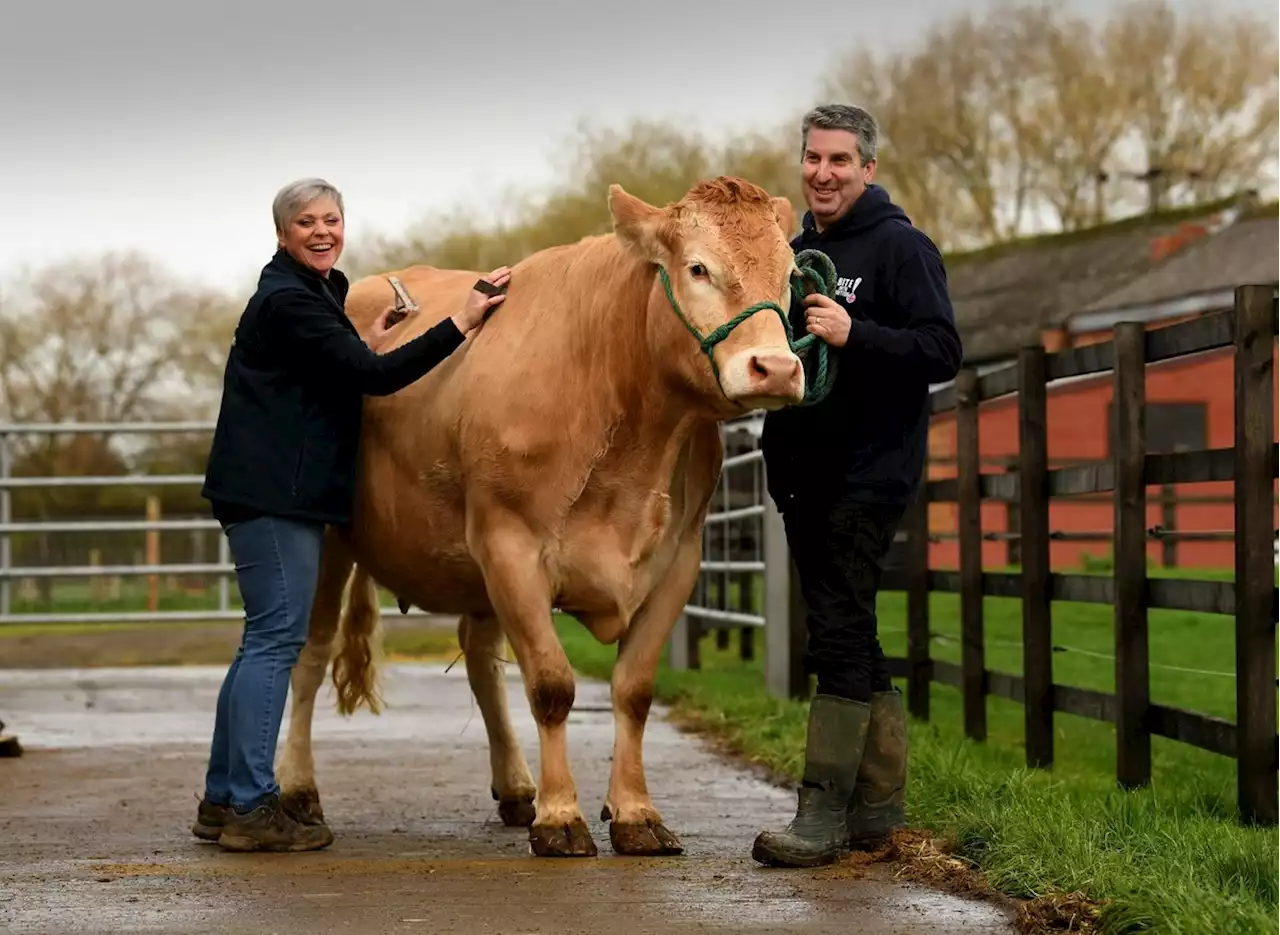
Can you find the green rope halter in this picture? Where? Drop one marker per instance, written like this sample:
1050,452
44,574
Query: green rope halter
814,272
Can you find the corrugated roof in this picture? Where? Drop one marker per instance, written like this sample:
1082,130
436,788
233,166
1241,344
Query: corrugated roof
1245,252
1005,295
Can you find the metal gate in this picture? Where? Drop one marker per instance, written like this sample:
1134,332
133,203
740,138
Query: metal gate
223,569
744,549
747,582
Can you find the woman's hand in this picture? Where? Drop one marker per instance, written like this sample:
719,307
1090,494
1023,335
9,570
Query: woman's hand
382,327
478,303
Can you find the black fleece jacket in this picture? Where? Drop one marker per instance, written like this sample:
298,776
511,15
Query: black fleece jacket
866,441
288,430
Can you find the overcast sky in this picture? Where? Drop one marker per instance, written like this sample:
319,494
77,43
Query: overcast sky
168,125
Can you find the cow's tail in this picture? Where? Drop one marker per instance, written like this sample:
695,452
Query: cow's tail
359,640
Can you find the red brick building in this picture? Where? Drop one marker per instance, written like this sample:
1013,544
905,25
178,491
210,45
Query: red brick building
1157,276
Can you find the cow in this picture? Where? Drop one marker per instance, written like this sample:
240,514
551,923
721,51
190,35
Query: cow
563,457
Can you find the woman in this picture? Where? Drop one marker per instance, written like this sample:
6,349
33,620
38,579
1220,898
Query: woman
281,467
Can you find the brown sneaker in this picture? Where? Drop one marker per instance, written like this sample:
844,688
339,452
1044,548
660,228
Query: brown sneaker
269,828
209,820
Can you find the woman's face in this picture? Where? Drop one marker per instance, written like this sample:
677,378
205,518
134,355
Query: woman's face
315,236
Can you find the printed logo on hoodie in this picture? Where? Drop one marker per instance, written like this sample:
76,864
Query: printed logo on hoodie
847,288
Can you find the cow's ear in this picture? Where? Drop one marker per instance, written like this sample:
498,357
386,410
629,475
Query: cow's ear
786,215
638,224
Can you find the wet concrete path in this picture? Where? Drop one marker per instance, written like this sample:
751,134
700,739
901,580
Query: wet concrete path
94,823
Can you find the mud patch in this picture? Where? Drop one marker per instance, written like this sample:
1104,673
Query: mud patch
921,858
1069,912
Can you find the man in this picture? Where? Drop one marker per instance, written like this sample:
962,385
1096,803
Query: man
842,473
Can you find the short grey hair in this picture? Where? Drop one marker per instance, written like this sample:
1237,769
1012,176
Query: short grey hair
843,117
297,195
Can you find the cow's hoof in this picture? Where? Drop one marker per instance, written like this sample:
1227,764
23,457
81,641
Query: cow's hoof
572,840
517,811
651,839
303,806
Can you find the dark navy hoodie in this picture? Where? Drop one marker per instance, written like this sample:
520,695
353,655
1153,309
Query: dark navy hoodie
866,441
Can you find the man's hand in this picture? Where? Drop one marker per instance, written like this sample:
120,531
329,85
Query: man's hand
826,318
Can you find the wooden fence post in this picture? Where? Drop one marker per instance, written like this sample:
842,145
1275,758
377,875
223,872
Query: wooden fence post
969,484
153,554
1013,524
1255,472
1033,523
1133,686
98,583
746,604
784,632
1169,521
684,649
916,560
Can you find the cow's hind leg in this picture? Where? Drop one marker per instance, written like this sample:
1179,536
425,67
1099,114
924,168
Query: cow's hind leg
518,587
297,769
635,826
512,786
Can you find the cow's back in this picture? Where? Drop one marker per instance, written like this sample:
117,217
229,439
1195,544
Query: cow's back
512,415
438,293
524,335
547,416
487,357
408,524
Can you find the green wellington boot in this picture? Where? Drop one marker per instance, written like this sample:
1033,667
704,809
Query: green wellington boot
833,751
876,809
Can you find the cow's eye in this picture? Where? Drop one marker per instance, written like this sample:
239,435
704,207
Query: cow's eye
698,271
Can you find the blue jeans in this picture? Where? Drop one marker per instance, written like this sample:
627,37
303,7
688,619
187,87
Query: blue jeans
277,564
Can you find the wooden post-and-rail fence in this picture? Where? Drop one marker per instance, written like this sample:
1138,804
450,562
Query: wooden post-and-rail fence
1249,328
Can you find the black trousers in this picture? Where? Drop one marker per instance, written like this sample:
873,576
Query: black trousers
839,554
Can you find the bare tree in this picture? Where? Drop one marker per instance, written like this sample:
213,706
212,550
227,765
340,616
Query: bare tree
1079,115
886,86
106,340
990,127
986,123
110,340
1200,95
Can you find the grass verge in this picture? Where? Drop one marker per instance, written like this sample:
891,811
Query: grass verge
1167,859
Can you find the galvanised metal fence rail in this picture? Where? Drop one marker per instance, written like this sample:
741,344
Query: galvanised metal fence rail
747,581
223,569
744,547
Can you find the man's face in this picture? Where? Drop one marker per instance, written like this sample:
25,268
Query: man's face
834,175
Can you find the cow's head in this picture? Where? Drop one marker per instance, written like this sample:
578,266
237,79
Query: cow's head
722,249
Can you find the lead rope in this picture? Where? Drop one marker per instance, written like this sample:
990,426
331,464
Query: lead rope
814,272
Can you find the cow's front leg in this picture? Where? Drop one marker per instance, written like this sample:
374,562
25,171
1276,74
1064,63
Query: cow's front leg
512,783
518,588
635,826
